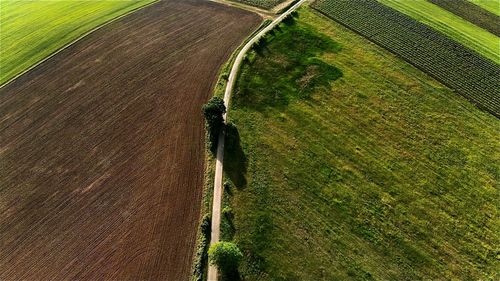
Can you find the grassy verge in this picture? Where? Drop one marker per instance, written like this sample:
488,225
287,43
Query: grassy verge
220,86
32,30
348,163
453,26
200,261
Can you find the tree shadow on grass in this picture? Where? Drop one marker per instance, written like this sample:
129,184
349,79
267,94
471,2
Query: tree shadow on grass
287,66
291,18
235,160
233,275
227,224
261,46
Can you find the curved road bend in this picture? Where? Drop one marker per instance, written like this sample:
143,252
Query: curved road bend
216,205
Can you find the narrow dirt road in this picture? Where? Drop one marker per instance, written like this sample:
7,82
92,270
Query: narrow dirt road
218,187
102,147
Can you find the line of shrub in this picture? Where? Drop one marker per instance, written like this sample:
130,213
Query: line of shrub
201,259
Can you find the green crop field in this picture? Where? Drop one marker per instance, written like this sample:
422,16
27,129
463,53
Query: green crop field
455,27
426,48
490,5
350,164
266,4
32,30
472,13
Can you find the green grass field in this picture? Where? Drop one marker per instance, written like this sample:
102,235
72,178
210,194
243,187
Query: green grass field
489,5
353,165
32,30
453,26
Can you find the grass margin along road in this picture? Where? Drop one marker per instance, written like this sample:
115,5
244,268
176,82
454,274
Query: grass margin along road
218,187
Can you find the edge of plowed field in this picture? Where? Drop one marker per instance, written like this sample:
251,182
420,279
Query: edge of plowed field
206,207
75,41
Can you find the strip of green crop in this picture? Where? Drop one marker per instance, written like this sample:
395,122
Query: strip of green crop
266,4
490,5
472,13
32,30
451,25
464,70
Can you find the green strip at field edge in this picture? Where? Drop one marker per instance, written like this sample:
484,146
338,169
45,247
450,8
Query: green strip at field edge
208,185
75,41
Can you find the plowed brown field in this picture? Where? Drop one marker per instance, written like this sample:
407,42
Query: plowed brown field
101,147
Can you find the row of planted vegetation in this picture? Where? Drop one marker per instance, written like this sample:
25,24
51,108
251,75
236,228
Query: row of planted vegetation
460,68
343,162
472,13
265,4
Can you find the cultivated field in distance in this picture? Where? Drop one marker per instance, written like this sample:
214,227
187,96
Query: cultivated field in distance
102,147
32,30
489,5
451,25
472,13
460,68
266,4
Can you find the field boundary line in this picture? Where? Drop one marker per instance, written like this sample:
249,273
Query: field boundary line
266,14
51,55
218,186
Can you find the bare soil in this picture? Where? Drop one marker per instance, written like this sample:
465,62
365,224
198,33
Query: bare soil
102,146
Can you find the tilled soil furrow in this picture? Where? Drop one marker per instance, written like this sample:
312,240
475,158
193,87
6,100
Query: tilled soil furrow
102,147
